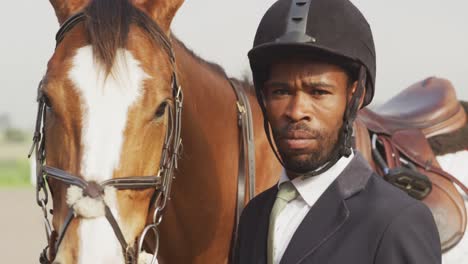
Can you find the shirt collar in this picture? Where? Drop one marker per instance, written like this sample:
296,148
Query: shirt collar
311,188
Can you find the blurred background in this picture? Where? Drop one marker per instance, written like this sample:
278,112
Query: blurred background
414,40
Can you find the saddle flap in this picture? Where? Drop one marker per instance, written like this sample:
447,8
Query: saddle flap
413,144
430,105
444,200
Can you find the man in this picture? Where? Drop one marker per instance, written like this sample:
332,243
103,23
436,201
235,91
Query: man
313,64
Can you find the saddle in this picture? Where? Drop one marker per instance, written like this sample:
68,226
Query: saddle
393,138
430,106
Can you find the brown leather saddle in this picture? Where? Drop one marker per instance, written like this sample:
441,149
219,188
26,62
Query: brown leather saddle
393,137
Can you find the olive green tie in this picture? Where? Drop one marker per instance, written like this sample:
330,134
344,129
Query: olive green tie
287,192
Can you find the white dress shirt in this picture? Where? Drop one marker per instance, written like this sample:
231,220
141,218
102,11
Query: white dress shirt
310,189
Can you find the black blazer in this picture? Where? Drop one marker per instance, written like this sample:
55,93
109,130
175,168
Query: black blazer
359,219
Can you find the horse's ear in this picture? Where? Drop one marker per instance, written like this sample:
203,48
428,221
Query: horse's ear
162,11
66,8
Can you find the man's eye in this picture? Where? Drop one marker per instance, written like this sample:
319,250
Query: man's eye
280,92
319,92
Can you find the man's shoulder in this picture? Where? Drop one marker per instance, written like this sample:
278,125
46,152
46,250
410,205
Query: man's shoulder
260,200
382,199
404,226
390,214
384,190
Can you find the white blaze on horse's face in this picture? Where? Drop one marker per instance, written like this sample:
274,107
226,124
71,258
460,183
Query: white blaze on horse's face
106,101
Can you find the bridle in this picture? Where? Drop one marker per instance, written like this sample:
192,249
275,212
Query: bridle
161,183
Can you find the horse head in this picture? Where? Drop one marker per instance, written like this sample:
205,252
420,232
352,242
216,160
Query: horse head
109,112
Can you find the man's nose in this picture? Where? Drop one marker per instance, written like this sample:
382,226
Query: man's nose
298,108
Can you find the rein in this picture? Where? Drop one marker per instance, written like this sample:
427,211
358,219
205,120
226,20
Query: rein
161,183
246,169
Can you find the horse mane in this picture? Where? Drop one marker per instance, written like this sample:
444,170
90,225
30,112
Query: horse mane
451,142
213,66
244,82
108,25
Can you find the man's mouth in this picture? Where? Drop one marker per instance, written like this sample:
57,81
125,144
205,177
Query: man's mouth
297,143
297,140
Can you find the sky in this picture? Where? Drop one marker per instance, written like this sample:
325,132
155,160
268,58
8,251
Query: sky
414,39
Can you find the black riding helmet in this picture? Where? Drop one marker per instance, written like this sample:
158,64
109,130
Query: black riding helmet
333,31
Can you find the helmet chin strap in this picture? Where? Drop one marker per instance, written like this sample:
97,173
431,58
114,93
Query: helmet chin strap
345,141
351,112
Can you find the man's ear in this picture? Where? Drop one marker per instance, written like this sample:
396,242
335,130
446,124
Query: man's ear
353,90
65,8
162,11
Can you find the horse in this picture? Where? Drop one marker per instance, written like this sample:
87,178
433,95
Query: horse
110,97
109,112
418,141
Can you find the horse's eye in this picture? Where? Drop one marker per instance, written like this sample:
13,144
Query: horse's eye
47,102
161,109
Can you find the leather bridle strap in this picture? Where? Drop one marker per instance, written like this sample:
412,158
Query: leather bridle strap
132,183
125,183
55,244
246,168
63,229
129,252
68,25
64,177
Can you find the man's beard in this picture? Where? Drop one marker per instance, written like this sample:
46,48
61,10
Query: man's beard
327,146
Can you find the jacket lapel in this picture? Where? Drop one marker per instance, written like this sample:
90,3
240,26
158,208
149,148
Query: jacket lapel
262,224
329,213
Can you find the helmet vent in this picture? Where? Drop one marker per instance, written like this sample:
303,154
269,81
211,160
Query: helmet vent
297,23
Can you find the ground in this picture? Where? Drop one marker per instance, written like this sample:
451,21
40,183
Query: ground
22,231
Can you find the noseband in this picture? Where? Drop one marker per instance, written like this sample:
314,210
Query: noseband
161,183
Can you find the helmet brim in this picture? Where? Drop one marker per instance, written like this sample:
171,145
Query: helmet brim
269,52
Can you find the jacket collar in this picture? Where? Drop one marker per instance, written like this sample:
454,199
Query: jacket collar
311,188
329,213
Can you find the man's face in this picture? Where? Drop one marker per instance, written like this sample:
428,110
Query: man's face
305,104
